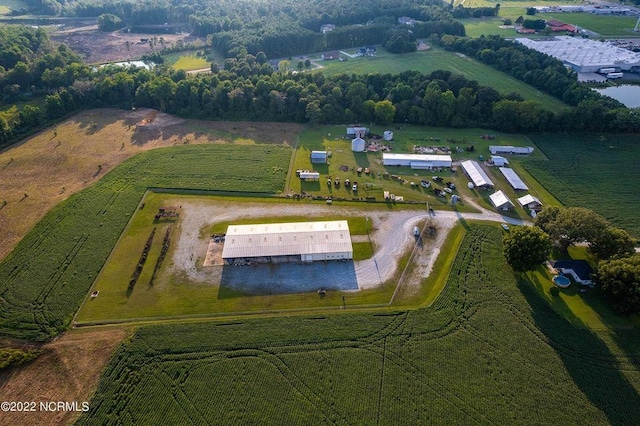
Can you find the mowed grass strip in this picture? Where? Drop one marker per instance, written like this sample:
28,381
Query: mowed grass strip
489,350
438,59
44,280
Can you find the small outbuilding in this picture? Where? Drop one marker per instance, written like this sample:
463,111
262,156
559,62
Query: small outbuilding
500,201
318,157
308,175
530,202
498,161
357,131
357,145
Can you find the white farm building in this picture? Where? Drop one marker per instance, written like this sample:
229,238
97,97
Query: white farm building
417,161
509,149
319,157
473,170
287,242
512,177
500,201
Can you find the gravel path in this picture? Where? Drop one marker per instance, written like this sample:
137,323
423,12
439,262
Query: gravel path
392,236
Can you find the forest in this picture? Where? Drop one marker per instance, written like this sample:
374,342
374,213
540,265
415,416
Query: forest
247,87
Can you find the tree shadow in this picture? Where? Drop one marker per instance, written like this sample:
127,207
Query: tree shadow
595,370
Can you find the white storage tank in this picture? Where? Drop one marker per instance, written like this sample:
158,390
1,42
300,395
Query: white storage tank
388,135
357,145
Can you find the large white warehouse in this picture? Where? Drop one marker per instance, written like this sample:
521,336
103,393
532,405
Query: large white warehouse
416,161
476,174
287,242
584,55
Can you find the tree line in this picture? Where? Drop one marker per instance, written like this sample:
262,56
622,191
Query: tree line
592,111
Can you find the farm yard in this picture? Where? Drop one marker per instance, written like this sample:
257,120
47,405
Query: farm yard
374,179
461,361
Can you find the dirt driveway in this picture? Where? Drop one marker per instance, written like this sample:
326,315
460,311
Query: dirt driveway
391,235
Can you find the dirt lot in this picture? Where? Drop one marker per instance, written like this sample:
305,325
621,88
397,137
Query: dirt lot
45,169
68,371
97,47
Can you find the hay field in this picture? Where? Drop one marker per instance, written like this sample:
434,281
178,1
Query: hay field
43,170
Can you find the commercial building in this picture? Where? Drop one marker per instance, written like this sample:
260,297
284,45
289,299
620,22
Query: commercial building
287,242
417,161
584,55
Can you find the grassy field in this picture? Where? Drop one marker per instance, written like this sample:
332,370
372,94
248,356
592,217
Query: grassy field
177,295
438,59
344,162
44,280
489,350
187,62
7,6
609,26
597,172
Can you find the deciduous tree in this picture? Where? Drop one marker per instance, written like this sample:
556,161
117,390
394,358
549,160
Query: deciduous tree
619,280
525,247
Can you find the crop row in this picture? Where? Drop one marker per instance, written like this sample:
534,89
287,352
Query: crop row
488,351
52,268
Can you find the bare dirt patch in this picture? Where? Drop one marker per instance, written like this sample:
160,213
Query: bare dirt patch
39,172
97,47
68,370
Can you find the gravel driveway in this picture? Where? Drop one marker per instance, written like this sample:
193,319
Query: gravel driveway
392,236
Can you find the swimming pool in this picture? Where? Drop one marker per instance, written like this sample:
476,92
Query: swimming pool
561,281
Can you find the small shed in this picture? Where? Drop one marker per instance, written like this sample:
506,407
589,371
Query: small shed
500,201
498,161
530,202
308,175
388,135
318,157
357,145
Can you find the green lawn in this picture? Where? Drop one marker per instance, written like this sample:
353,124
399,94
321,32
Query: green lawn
489,350
439,59
187,62
609,26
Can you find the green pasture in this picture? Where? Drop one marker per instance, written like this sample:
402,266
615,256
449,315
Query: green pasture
439,59
476,27
192,60
176,295
489,350
599,172
608,26
46,278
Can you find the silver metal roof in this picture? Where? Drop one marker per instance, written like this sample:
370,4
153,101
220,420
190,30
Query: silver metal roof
513,178
287,239
499,199
476,174
415,157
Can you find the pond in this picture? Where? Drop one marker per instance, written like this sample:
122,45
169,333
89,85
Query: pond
629,95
